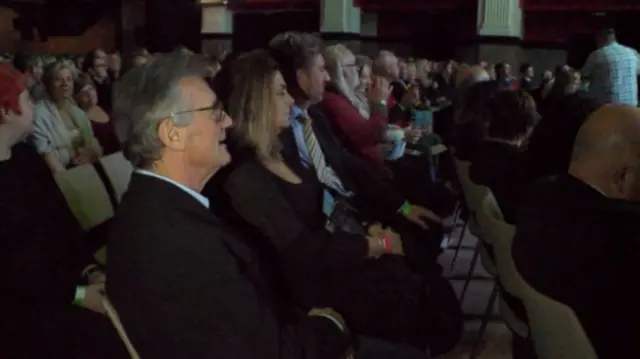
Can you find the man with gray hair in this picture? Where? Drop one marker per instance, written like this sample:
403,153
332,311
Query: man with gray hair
185,285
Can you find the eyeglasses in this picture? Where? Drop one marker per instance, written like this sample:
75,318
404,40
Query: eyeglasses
217,111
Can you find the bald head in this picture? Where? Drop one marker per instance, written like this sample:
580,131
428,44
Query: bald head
608,129
607,144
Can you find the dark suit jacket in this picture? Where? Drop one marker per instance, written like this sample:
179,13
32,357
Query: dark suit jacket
374,194
41,243
583,249
551,143
187,287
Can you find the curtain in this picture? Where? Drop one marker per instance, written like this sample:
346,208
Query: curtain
579,5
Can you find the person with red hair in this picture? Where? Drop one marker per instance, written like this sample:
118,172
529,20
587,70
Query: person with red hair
42,257
16,109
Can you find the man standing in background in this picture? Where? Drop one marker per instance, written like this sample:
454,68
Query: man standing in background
612,70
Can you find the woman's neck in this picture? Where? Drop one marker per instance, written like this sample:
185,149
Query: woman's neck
60,102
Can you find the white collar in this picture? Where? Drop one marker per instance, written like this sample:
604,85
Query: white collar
195,194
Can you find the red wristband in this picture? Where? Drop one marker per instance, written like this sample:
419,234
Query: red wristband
386,243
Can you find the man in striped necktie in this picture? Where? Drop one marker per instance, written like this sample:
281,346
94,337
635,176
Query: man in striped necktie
302,65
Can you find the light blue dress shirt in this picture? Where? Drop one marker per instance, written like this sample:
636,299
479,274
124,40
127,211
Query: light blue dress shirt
198,196
298,134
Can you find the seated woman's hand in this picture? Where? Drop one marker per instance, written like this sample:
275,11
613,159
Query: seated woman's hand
420,215
93,298
83,156
97,277
384,241
412,134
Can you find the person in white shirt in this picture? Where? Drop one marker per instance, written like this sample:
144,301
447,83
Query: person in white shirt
612,70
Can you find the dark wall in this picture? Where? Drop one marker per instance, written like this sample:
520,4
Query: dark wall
625,24
171,23
253,30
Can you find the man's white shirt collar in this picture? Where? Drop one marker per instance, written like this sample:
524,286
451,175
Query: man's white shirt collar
195,194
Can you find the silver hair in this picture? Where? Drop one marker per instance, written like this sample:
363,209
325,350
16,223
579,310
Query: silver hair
145,97
333,57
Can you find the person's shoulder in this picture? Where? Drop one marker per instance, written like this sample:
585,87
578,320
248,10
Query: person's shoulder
28,157
247,175
542,190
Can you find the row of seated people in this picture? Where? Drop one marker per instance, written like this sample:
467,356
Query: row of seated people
73,101
287,241
72,106
567,180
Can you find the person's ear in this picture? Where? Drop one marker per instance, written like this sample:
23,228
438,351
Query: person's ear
302,78
172,137
622,182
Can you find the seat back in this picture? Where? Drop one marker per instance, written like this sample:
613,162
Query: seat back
115,321
118,170
501,234
554,327
473,194
86,195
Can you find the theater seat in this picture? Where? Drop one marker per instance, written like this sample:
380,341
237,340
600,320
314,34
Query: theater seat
118,170
86,195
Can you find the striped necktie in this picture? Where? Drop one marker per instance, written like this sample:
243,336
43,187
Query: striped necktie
325,174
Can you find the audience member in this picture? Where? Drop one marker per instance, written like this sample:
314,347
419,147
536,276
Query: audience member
470,122
32,67
310,143
498,162
63,134
356,273
526,77
576,239
114,66
184,284
86,97
503,75
612,70
42,256
96,65
360,126
549,148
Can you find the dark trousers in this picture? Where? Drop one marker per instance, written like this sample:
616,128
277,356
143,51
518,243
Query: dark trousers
371,348
522,348
55,332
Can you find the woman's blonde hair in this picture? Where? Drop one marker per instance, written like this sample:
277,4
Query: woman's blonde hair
333,56
250,103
